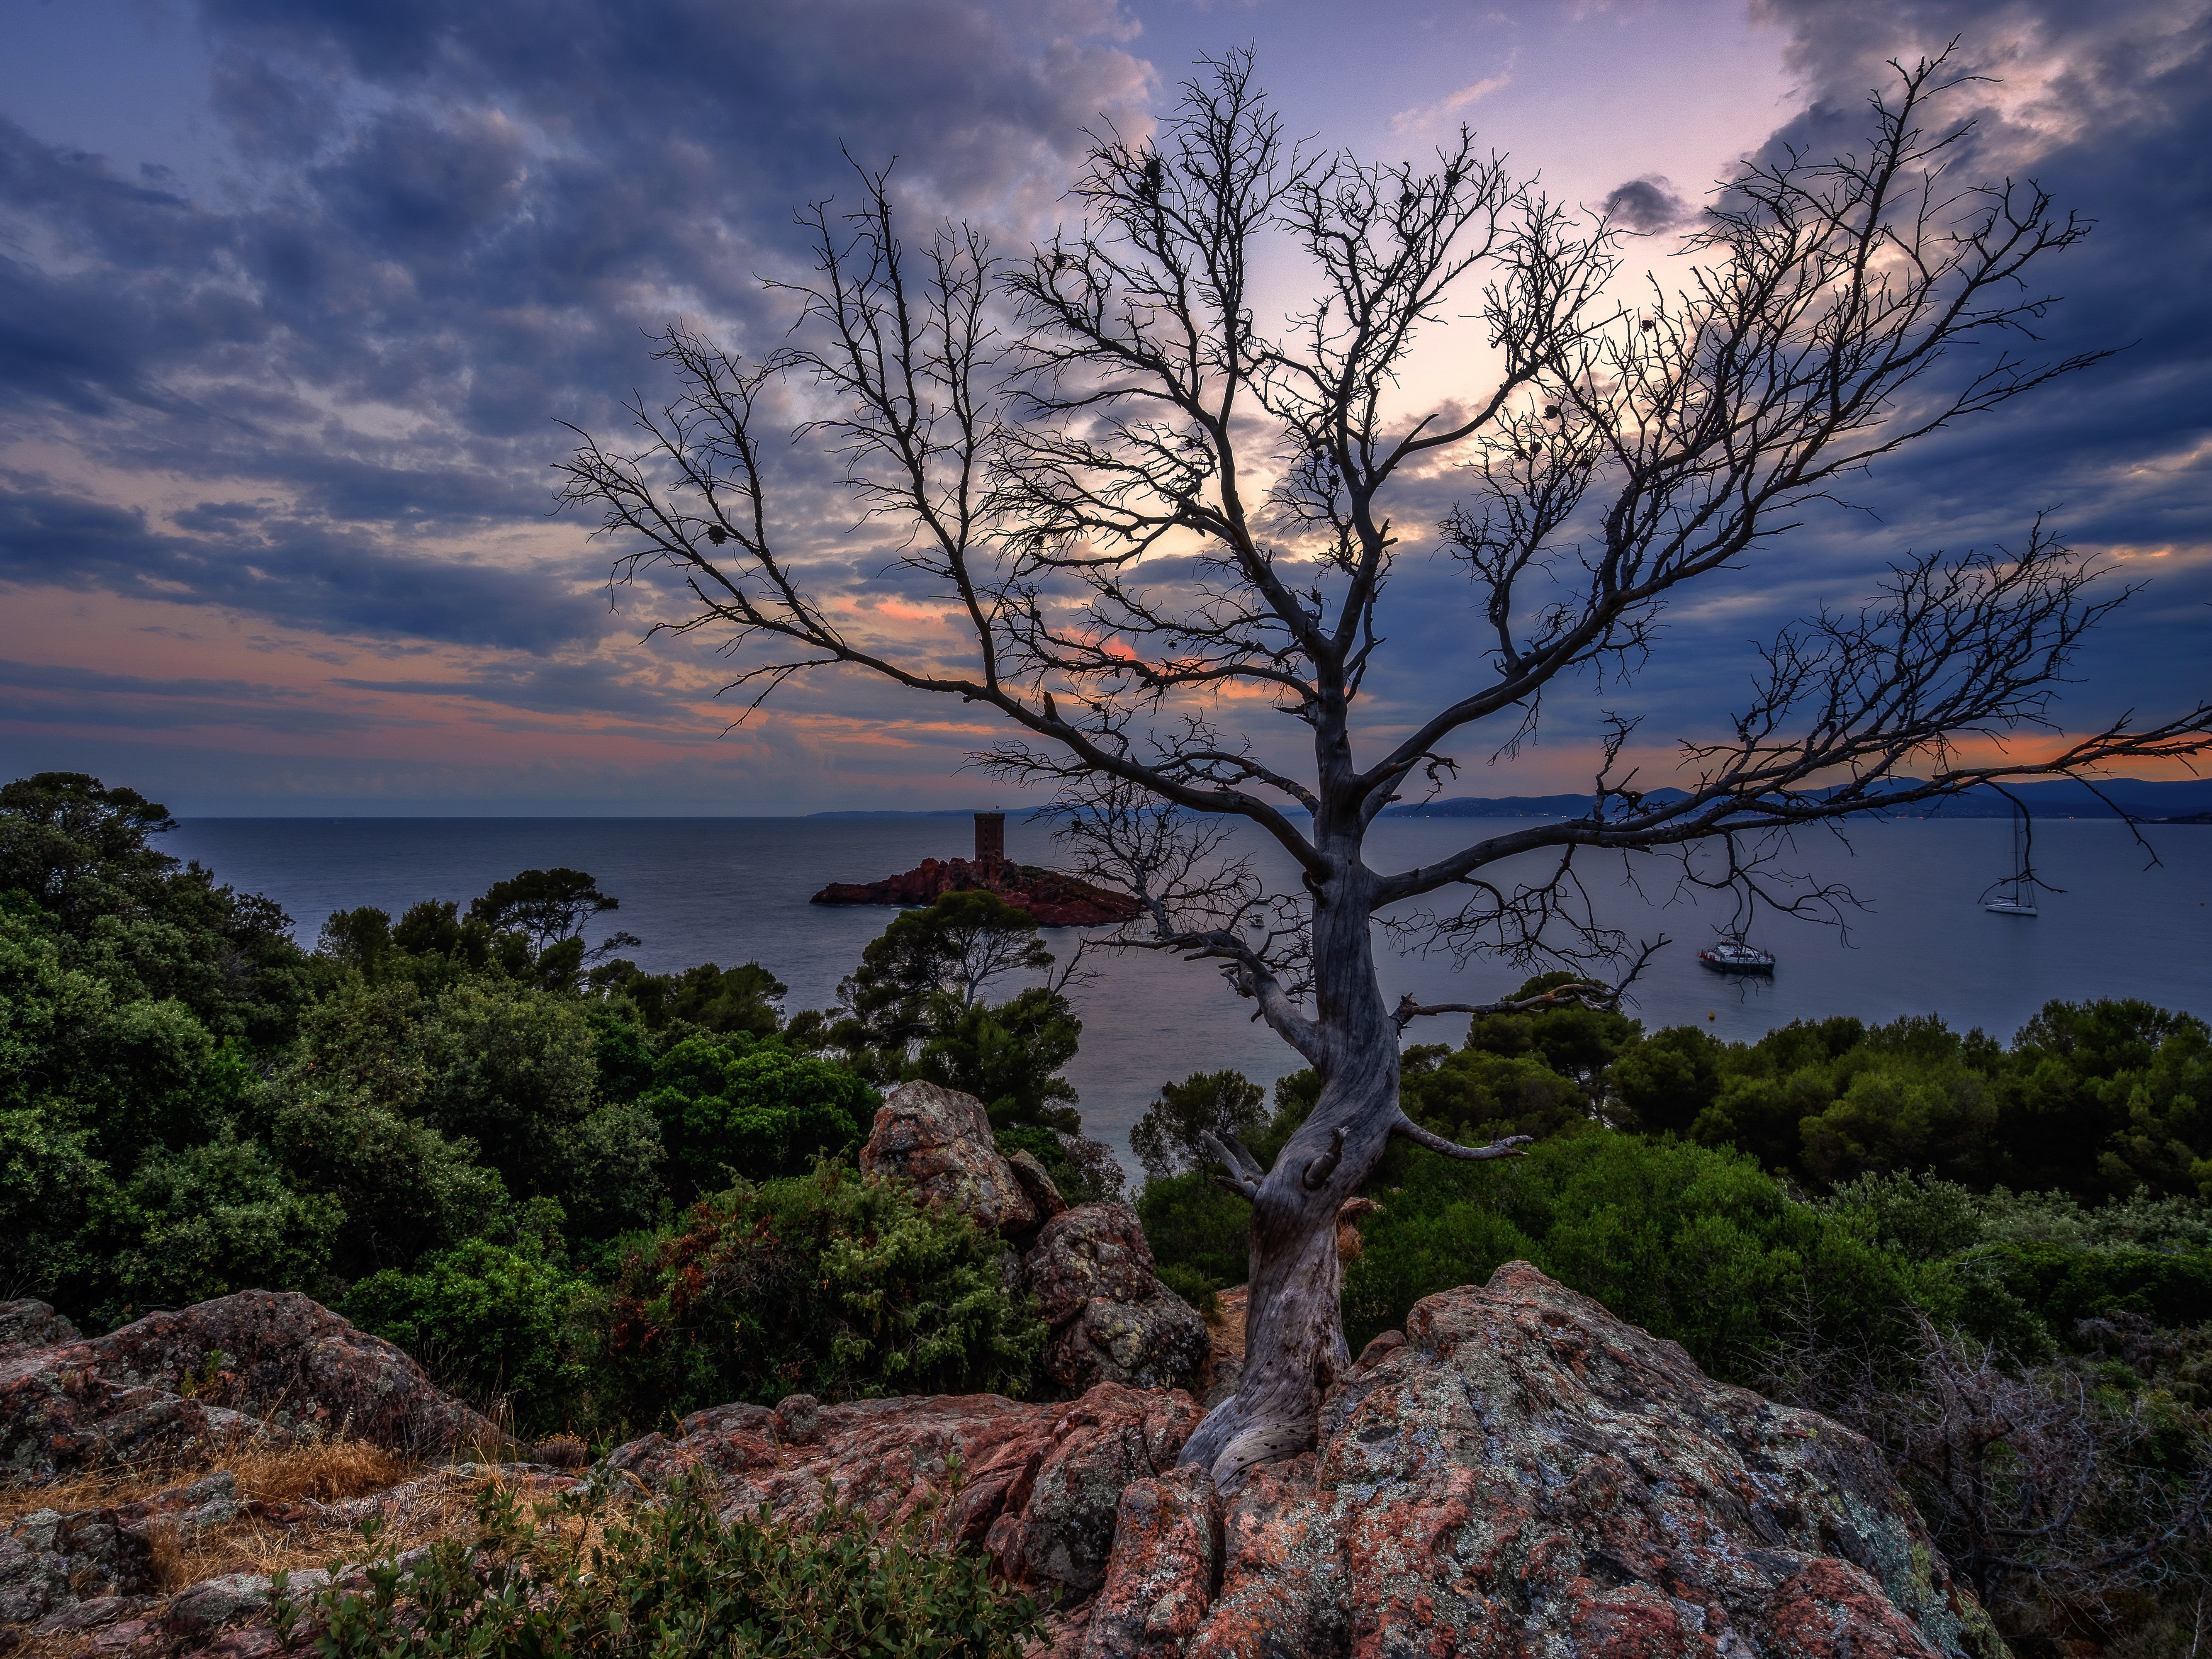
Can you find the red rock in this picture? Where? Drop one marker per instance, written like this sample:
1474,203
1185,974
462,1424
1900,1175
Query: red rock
1054,899
1109,1438
1830,1609
1094,1250
118,1397
1166,1562
1036,1183
1527,1474
940,1141
1037,1488
1113,1321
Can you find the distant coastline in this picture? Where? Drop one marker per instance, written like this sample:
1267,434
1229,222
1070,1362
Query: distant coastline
2188,801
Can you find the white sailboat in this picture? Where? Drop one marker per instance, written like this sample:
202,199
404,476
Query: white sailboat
2017,898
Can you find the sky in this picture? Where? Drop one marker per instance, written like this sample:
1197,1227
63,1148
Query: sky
294,294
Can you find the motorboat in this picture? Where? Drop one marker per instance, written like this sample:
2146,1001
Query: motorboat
1733,956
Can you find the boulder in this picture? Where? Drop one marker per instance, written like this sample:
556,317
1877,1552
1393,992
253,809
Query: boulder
1039,1486
1095,1251
53,1561
1037,1183
28,1324
1165,1565
940,1141
1525,1473
263,1365
1112,1320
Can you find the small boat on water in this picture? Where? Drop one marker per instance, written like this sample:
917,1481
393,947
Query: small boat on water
2018,898
1733,956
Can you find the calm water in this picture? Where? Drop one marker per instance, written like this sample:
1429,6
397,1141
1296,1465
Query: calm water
735,889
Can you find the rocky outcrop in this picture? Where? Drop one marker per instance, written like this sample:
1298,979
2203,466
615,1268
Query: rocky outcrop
1112,1320
940,1141
1165,1565
1518,1473
1526,1474
263,1365
1040,1484
1054,899
52,1561
28,1324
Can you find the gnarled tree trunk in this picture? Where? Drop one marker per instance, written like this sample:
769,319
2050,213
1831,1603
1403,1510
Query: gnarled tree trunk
1294,1326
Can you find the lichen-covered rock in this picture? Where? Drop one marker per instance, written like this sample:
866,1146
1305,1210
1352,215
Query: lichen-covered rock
1526,1474
52,1561
1165,1563
1093,1251
1157,1344
1038,1488
28,1324
940,1141
1036,1182
1112,1320
264,1365
1109,1438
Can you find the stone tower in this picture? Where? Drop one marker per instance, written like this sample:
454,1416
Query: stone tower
990,836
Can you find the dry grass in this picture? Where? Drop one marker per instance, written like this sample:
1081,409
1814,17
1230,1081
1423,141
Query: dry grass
294,1480
1228,1326
328,1471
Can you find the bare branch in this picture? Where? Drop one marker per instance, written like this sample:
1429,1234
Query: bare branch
1508,1147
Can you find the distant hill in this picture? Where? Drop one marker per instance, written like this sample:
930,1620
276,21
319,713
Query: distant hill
2187,801
2066,799
2184,802
1504,806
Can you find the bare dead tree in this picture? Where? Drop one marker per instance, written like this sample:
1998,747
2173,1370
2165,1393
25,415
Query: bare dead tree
1143,510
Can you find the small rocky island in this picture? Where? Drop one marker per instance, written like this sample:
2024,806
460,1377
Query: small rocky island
1054,899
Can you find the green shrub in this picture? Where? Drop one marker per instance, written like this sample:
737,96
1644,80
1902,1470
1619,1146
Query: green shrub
509,1068
1007,1056
757,1109
489,1321
1475,1097
829,1284
217,1218
1170,1135
53,1192
1193,1286
1192,1224
1692,1244
669,1579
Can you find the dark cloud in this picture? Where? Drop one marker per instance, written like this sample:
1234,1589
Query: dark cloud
564,689
43,693
454,224
1646,205
448,224
305,574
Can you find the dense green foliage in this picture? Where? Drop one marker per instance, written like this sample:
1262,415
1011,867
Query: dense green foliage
665,1579
915,1008
728,1106
463,1132
1171,1134
1700,1246
828,1284
1834,1214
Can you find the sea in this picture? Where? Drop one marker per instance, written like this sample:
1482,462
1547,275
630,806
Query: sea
735,889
